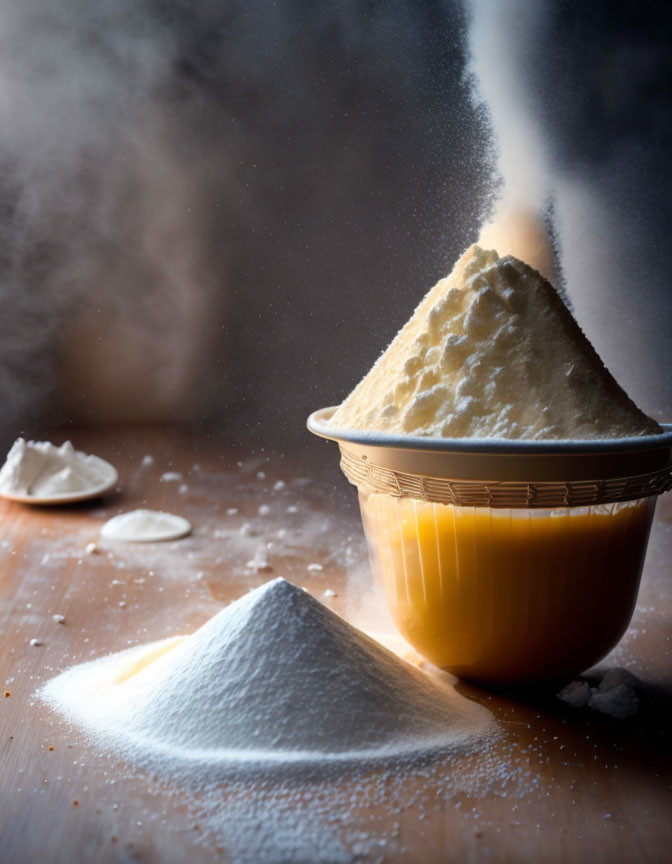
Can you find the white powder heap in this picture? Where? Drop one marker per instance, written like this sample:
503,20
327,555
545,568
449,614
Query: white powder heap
615,695
145,526
42,470
275,677
492,352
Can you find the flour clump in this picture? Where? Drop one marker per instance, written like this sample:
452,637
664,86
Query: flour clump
615,695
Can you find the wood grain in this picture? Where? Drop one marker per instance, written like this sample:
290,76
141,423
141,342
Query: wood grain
580,786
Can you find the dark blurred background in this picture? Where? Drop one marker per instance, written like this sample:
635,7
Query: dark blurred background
221,212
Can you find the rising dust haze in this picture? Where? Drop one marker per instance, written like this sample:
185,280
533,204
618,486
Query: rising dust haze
221,212
580,103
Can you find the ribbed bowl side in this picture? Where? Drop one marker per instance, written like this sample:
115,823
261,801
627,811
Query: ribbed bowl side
508,595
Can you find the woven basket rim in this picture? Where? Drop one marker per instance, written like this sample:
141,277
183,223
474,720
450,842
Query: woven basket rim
517,494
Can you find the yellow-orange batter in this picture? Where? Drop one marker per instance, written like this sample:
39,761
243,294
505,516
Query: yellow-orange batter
508,595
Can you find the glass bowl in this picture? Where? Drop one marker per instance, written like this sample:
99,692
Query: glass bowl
506,561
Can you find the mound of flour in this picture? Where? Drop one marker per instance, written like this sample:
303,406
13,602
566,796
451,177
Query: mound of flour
492,352
41,469
145,526
275,677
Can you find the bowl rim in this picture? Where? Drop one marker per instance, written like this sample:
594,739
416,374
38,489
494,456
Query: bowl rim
318,421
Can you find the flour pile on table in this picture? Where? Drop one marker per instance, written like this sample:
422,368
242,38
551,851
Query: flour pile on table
42,470
275,677
145,526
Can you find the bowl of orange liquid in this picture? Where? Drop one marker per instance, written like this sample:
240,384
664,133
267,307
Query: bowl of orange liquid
506,561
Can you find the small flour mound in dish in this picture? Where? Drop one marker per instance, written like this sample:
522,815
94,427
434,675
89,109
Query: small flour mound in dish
274,678
145,526
42,470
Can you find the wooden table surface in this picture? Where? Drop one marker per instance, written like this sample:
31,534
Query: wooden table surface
561,784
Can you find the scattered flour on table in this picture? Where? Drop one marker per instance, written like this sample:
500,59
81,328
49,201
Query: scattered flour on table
615,695
274,678
41,469
145,526
310,532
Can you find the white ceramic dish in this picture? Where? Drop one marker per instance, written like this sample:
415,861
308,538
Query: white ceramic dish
110,481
